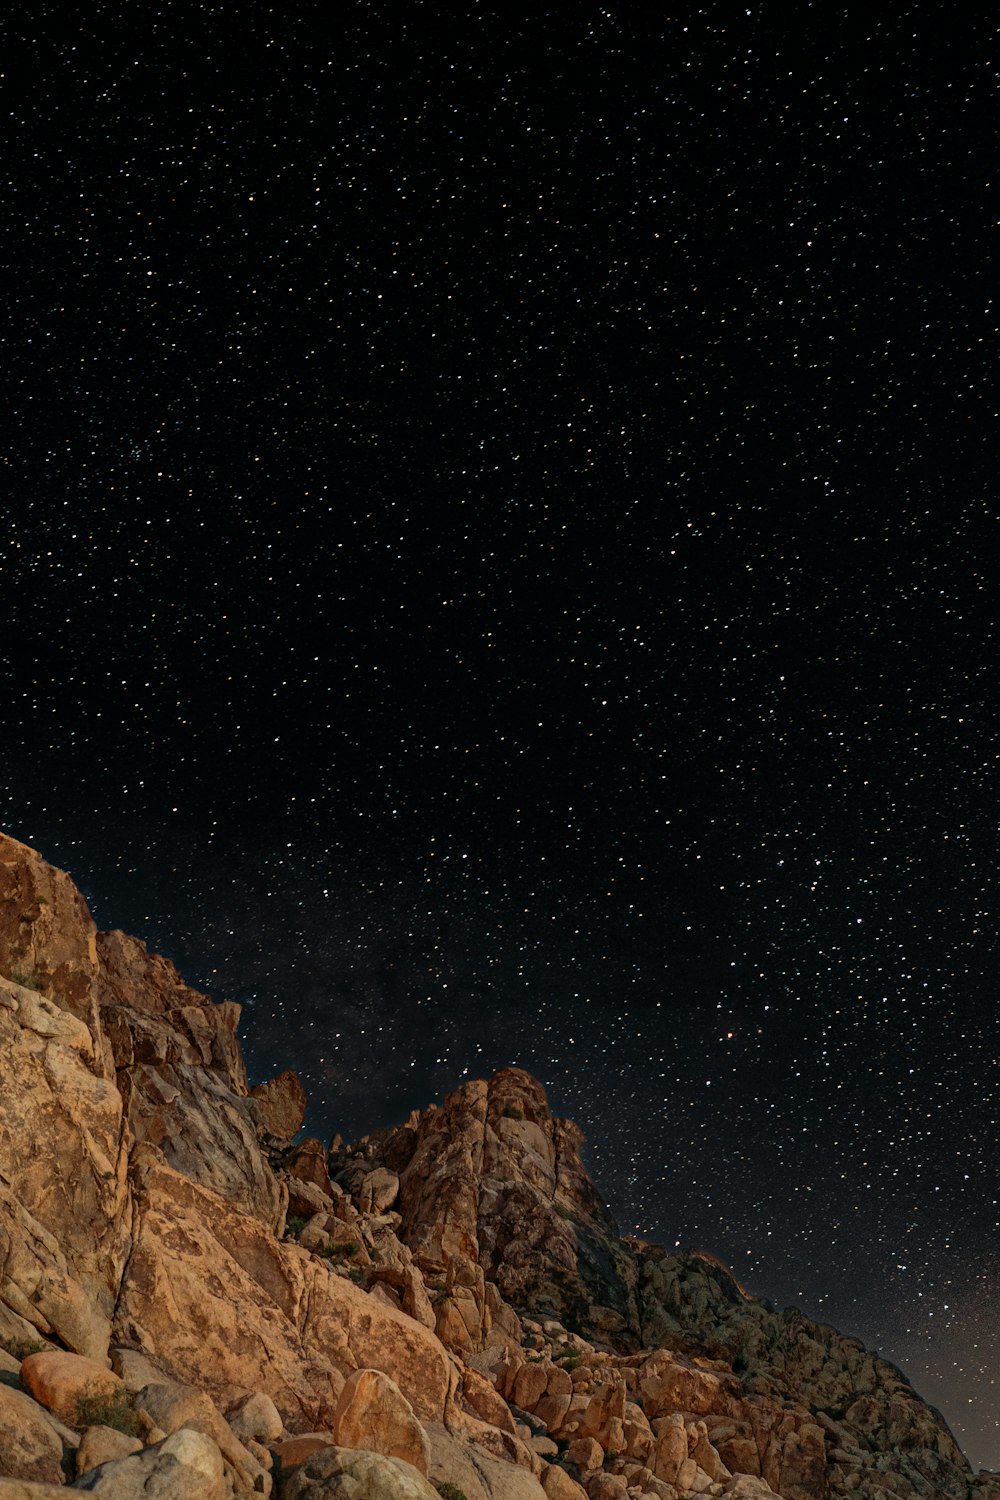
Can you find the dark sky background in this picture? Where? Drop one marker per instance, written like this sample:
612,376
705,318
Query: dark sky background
497,567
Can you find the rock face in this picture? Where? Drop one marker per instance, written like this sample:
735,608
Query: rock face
450,1298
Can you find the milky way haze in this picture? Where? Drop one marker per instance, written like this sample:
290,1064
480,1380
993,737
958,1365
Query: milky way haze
498,570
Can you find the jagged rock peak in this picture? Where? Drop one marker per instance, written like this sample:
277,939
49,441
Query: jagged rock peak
452,1290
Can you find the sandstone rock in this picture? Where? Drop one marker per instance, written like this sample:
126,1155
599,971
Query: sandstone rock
58,1380
30,1447
545,1447
671,1449
373,1413
558,1485
379,1190
486,1402
529,1386
47,935
479,1474
606,1486
706,1455
102,1445
187,1465
135,1369
802,1467
293,1451
204,1131
355,1474
479,1182
63,1202
586,1453
746,1487
603,1417
282,1103
216,1299
255,1417
174,1406
669,1384
28,1489
307,1162
305,1198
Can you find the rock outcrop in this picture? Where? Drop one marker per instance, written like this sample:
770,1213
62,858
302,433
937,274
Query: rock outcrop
191,1305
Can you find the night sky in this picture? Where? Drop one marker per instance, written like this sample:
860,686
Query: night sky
496,568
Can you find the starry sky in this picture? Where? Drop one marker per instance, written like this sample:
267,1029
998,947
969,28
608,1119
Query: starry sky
496,569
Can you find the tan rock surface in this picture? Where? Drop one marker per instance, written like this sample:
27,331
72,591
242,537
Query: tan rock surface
480,1475
58,1380
558,1485
47,935
282,1104
373,1413
102,1445
353,1474
30,1447
64,1203
216,1299
255,1417
187,1465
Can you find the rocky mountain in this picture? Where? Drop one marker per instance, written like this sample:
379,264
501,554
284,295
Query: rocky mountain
196,1304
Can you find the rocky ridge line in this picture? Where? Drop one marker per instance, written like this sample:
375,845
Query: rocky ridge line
441,1308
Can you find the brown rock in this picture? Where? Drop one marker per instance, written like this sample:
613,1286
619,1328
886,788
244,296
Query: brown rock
102,1445
47,935
291,1452
58,1380
668,1384
255,1417
606,1486
186,1464
802,1466
558,1485
603,1418
173,1405
671,1448
373,1413
27,1489
307,1162
63,1194
30,1447
225,1304
585,1453
379,1190
486,1402
477,1472
282,1103
356,1474
529,1386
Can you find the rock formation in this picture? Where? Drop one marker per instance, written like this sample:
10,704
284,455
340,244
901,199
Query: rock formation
192,1307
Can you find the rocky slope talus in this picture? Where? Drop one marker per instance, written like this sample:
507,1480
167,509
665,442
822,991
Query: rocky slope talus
445,1303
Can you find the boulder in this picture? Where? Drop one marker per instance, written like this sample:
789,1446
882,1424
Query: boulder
30,1447
187,1465
255,1417
102,1445
558,1485
356,1474
174,1406
373,1413
293,1451
379,1190
587,1454
282,1104
59,1381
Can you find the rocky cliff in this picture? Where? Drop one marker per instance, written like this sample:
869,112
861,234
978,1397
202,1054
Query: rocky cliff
195,1305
